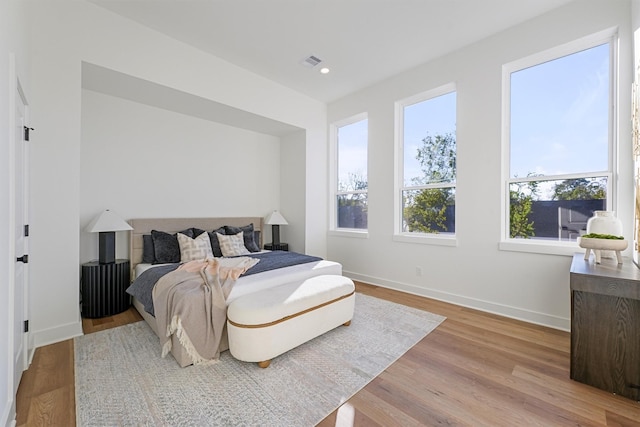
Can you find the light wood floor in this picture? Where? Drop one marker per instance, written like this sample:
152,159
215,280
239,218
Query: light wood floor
475,369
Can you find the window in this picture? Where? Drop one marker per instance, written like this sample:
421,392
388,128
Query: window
560,142
351,140
427,141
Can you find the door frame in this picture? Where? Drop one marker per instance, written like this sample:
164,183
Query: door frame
16,94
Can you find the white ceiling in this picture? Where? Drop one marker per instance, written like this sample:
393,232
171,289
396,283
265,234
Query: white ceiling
361,41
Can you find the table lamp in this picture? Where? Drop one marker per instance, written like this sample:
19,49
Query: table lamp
275,220
107,223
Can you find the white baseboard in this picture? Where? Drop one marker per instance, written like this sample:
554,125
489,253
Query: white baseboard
543,319
54,335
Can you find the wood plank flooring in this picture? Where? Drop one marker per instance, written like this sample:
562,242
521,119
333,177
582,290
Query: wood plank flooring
475,369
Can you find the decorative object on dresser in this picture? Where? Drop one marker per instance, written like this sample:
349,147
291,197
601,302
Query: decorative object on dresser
602,243
604,236
275,220
103,288
107,223
605,325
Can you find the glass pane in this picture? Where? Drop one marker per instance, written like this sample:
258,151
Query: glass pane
560,115
429,211
352,156
555,210
352,211
430,141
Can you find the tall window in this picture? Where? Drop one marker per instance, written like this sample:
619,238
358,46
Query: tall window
428,136
560,142
351,191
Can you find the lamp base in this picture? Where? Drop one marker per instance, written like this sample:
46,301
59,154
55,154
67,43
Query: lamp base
107,247
275,234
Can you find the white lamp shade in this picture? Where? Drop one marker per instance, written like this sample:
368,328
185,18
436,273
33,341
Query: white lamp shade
276,218
107,221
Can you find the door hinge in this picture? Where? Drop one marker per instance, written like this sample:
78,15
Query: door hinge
26,132
26,326
24,258
26,230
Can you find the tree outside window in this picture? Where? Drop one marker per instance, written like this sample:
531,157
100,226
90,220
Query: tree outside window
352,186
429,163
559,142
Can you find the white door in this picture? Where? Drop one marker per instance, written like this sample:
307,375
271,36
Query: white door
21,242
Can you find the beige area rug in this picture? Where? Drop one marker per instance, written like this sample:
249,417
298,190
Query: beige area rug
121,380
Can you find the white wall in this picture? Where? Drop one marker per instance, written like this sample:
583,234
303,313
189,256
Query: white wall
64,34
14,64
292,207
476,273
141,162
635,25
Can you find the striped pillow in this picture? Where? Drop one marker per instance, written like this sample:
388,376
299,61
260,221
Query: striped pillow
232,245
194,249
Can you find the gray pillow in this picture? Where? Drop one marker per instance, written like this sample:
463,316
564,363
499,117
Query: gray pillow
215,244
148,253
166,247
249,238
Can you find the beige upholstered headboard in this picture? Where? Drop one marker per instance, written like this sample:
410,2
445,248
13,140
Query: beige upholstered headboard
143,226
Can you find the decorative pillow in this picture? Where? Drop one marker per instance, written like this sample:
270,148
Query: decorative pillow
215,244
166,247
256,238
232,245
194,249
196,232
148,253
249,239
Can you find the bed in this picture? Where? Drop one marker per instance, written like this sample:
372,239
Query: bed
246,284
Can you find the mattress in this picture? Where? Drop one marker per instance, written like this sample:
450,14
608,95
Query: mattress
268,279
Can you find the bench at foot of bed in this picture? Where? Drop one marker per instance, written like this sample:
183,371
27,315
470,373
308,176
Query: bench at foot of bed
266,324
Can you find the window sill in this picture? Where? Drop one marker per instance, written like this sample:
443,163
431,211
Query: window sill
540,247
426,239
350,232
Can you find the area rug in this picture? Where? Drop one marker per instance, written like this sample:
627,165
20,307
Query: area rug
121,380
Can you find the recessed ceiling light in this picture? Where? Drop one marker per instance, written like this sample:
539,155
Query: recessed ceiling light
324,70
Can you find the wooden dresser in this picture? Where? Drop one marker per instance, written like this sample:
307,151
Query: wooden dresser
605,325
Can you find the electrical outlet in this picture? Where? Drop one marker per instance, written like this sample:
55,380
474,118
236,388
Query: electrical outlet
418,271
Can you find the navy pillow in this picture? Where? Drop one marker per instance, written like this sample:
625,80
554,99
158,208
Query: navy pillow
166,247
249,239
196,232
148,253
215,244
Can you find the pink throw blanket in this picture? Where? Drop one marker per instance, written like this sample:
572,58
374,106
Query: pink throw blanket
190,302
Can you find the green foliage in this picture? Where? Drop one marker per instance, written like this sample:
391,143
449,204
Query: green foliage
426,211
579,189
521,196
602,236
437,158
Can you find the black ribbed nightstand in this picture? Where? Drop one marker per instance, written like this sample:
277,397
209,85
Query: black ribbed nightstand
277,247
103,288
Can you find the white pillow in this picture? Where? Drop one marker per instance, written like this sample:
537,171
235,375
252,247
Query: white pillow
194,249
232,245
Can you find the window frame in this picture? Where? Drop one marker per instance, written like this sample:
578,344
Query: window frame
448,239
334,192
544,246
